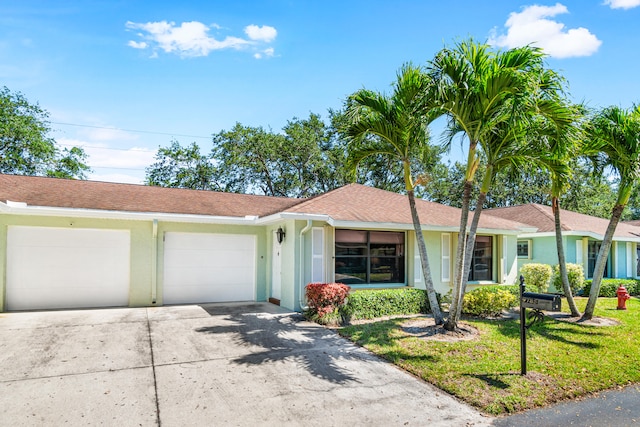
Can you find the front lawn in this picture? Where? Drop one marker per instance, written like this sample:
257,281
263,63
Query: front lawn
564,360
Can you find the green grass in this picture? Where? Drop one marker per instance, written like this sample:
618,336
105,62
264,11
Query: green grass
564,360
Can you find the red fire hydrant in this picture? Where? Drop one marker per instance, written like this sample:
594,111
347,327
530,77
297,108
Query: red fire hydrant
623,296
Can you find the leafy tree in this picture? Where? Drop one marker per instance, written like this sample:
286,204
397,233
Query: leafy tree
181,167
395,127
613,143
26,148
301,162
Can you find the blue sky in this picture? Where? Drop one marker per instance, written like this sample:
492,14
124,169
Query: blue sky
186,70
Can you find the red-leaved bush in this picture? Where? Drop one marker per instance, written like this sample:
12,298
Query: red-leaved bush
324,298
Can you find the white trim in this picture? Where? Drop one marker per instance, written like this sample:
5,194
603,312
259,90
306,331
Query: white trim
594,236
445,262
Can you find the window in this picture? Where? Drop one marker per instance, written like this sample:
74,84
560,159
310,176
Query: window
592,257
524,249
482,261
369,257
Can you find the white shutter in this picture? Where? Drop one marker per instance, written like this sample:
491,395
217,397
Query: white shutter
317,255
446,257
417,264
503,259
629,254
579,259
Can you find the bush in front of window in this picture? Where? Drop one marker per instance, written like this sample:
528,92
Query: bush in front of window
374,303
610,286
575,272
536,276
489,301
324,301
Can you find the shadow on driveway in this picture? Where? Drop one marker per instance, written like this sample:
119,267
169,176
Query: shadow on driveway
281,336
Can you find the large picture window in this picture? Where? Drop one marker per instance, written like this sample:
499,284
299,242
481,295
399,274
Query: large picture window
369,257
482,262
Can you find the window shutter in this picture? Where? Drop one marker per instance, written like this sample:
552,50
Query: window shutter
629,254
446,257
503,259
417,264
317,255
579,259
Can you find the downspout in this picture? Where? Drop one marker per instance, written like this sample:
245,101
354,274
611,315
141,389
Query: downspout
301,300
154,262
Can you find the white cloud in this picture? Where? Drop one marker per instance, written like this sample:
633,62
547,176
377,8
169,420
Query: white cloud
532,26
112,164
265,33
137,45
622,4
192,39
269,52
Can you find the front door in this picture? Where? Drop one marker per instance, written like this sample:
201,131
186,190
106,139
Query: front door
276,269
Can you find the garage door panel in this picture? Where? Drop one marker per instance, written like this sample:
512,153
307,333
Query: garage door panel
67,268
208,267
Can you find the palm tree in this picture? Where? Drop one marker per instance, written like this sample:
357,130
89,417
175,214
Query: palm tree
396,127
614,143
480,90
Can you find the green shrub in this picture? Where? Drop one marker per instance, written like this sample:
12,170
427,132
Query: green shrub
576,278
489,301
372,303
536,276
609,287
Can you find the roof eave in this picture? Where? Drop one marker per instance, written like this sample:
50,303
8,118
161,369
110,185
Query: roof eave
129,216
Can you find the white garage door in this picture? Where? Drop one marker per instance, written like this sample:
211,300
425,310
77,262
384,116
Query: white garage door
209,268
67,268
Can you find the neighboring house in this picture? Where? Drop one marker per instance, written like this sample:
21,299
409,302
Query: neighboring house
582,236
70,243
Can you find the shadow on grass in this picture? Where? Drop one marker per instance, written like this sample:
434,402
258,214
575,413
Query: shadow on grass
272,338
493,380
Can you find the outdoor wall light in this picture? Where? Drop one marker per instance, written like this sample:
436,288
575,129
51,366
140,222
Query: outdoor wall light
280,234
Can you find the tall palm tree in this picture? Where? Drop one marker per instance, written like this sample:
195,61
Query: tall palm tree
566,136
480,90
613,143
396,126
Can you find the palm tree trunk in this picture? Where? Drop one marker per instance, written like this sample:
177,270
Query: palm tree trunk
456,297
424,260
562,263
471,242
601,261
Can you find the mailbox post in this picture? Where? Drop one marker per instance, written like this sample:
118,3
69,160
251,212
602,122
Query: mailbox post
538,303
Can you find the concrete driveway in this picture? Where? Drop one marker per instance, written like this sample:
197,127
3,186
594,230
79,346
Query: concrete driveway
215,364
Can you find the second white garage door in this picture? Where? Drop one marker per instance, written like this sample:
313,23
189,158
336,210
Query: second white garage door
209,268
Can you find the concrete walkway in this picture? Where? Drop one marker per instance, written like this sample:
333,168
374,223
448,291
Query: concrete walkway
217,364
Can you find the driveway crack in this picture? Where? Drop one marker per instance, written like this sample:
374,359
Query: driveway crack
153,368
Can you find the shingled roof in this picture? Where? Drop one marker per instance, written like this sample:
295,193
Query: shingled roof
359,203
541,217
66,193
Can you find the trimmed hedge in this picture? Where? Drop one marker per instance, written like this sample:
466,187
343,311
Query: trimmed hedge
609,287
372,303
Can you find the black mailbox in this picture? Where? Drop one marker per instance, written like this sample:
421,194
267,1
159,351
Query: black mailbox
547,302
